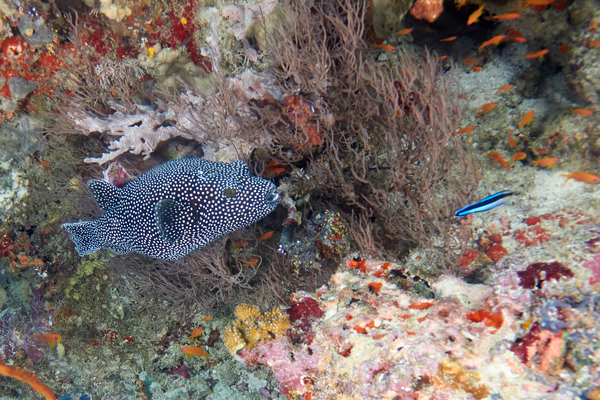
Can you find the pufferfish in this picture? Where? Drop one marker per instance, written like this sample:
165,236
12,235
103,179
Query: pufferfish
174,209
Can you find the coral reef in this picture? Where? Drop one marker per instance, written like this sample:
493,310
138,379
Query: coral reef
374,142
324,240
369,338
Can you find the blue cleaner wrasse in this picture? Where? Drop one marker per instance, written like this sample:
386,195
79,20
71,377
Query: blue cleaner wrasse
486,204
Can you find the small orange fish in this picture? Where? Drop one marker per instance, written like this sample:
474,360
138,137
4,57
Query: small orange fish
470,61
513,142
442,57
194,351
505,17
477,69
462,3
537,3
240,244
266,235
518,156
519,39
274,168
196,332
583,112
495,40
504,88
448,39
475,16
540,151
385,47
504,164
404,31
252,262
468,129
495,156
563,48
526,120
594,43
547,162
582,177
51,338
486,108
539,54
206,318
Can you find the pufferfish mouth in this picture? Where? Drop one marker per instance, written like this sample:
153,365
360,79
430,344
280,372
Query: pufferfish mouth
272,197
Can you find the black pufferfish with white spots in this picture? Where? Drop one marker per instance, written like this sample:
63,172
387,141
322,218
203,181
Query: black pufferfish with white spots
174,209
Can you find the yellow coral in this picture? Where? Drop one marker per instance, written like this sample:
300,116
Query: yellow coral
252,327
246,313
276,321
233,340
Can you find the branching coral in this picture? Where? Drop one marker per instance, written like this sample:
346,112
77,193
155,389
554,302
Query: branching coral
90,85
388,154
158,97
206,279
109,97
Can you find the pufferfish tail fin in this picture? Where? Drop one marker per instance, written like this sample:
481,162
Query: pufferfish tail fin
85,236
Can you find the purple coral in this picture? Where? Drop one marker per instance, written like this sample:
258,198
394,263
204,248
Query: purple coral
182,371
538,273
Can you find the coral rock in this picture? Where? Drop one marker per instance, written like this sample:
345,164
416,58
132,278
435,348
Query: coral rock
388,15
429,10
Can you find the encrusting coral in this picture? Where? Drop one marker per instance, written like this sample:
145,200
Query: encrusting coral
252,327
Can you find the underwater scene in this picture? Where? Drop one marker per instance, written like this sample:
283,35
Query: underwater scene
300,199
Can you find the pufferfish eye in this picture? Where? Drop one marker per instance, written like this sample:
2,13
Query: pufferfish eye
229,193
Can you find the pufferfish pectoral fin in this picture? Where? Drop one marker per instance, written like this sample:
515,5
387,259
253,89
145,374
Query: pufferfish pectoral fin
106,195
172,219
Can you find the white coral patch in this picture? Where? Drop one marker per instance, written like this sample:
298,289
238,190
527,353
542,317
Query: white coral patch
14,187
113,11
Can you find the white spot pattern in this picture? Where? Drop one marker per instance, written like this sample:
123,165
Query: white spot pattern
174,209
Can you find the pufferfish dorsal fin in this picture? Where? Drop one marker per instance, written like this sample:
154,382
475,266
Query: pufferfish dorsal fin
171,217
106,195
236,172
241,168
